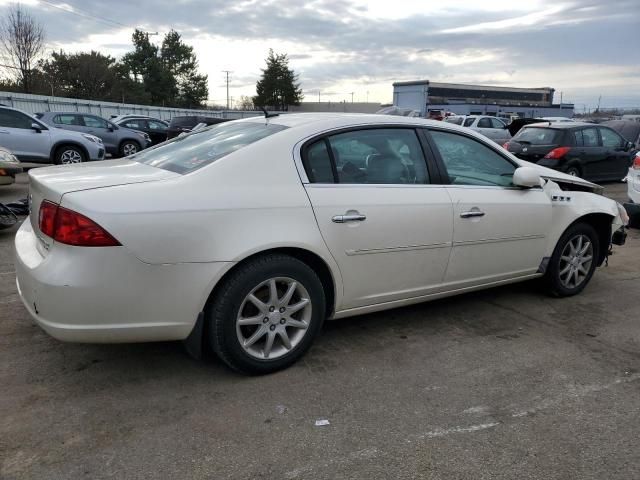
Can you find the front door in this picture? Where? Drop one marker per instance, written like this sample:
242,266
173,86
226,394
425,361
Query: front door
17,135
500,231
618,158
101,128
387,227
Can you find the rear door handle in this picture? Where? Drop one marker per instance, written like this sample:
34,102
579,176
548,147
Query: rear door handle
350,217
471,214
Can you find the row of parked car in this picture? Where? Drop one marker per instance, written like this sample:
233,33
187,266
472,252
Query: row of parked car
75,137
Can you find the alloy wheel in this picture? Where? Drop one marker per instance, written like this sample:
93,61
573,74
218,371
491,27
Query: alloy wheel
575,261
129,149
70,156
273,318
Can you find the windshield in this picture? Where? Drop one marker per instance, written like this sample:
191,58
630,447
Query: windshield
186,153
537,136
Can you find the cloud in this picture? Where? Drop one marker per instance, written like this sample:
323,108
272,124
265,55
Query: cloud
583,48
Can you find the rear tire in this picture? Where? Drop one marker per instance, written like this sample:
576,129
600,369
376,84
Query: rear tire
266,314
573,261
574,171
68,155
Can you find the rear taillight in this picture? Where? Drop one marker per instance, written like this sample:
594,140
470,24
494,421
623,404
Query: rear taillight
72,228
557,153
505,145
636,162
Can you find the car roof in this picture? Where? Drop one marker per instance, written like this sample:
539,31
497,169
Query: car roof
559,125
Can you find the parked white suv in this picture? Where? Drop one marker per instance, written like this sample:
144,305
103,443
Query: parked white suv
491,127
32,141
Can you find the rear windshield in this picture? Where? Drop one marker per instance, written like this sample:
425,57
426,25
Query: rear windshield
537,136
186,153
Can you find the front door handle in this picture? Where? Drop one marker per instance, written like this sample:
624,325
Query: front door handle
471,214
349,217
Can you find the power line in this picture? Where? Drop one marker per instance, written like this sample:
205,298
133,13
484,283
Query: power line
84,14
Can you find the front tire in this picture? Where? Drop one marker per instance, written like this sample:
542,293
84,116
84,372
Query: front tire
129,147
265,316
68,155
573,261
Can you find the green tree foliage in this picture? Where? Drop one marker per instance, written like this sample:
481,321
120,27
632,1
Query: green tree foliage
278,87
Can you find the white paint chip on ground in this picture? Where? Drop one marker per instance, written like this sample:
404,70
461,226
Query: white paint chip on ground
441,432
321,422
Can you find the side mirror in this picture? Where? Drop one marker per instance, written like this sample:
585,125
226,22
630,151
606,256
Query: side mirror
630,146
527,177
36,126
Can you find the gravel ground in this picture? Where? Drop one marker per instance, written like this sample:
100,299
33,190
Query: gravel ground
501,384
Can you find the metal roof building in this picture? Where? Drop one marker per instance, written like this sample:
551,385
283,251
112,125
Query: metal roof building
461,99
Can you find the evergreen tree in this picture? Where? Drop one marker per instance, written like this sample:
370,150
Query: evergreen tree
278,87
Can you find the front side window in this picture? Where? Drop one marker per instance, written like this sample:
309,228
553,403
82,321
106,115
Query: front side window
454,120
469,121
184,154
135,124
94,122
485,123
469,162
497,123
370,156
68,120
610,138
13,119
153,125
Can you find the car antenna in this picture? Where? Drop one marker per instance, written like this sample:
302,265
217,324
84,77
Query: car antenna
267,114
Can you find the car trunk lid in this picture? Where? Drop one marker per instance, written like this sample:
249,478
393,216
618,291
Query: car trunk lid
54,182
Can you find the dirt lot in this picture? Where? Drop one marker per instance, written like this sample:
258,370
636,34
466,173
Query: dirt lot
506,383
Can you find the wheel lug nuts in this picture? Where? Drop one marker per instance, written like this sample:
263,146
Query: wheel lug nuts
272,327
265,319
271,309
282,309
282,321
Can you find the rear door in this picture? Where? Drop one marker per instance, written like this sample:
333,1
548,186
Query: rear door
101,128
499,231
388,227
157,131
618,159
17,135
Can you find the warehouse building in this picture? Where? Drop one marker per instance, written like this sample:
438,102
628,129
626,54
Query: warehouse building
425,96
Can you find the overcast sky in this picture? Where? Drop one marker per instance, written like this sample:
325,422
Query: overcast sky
583,48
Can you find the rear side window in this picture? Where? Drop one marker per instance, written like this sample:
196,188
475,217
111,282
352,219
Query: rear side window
538,136
68,120
590,137
195,150
469,162
369,156
469,121
485,123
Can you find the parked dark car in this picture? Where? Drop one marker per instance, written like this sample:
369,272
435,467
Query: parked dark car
118,141
186,123
593,152
629,129
156,129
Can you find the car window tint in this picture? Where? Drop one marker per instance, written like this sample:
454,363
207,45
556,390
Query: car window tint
469,162
577,136
485,123
317,163
68,120
12,119
184,154
379,156
610,138
590,137
469,121
156,125
135,124
537,136
94,122
497,123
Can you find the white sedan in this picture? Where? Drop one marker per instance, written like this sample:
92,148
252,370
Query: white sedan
633,180
246,235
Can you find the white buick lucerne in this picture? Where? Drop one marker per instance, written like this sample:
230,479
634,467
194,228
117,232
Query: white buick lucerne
246,235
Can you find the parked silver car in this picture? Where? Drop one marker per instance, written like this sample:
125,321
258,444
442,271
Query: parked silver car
491,127
32,141
118,141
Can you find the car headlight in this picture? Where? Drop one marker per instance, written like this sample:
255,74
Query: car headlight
145,136
8,157
92,138
624,216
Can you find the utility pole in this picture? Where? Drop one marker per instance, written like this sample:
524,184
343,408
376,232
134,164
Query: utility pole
352,96
227,72
367,96
318,95
599,99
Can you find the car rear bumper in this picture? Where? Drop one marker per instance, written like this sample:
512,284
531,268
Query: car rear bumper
107,295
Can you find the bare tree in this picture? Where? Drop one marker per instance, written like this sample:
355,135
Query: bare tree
22,41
